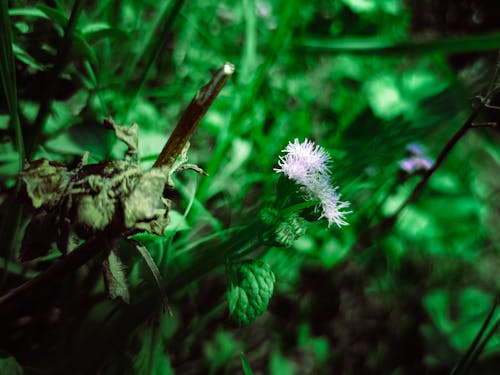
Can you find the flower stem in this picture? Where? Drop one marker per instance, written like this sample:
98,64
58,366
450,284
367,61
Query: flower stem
385,224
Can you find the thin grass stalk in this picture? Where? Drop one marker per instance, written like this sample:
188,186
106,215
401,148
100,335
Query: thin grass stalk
480,348
11,221
279,42
472,347
60,63
8,75
153,48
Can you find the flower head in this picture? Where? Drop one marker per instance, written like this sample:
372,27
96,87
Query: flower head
416,161
416,164
303,161
308,165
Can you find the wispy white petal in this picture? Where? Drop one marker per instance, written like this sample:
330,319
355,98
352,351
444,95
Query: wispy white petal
308,165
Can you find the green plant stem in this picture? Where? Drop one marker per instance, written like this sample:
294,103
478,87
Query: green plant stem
51,79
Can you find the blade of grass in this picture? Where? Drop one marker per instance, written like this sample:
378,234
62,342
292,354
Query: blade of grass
8,75
13,214
279,43
60,63
155,271
249,56
480,348
463,364
245,366
152,49
380,46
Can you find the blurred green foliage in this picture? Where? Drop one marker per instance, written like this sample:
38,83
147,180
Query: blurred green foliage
362,78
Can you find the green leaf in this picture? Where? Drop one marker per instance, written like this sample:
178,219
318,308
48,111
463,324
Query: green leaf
97,31
460,328
79,48
371,6
245,366
221,351
251,288
27,12
115,279
9,365
384,46
26,58
153,47
56,15
152,358
281,365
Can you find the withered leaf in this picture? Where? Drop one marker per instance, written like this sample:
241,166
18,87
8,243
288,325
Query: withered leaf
126,134
145,203
45,182
115,280
115,196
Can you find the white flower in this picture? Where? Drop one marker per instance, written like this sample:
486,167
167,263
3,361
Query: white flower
308,165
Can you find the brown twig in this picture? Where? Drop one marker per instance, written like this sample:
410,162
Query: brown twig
192,116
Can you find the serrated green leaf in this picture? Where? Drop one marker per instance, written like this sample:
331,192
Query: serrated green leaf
251,287
115,279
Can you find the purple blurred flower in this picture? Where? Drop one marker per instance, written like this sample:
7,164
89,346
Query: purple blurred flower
417,161
308,165
415,149
416,164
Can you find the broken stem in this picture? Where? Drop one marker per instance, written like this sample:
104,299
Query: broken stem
192,116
